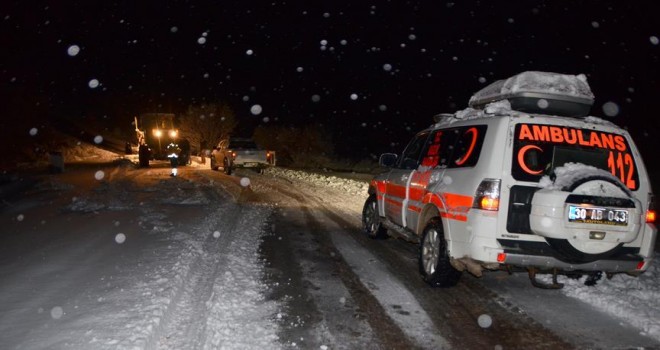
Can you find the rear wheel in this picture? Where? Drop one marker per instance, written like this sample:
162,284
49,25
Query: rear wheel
434,262
143,155
226,166
371,219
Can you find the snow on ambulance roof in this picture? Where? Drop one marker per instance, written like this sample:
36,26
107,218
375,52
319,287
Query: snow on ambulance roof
540,92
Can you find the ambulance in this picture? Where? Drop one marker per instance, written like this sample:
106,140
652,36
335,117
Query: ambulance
521,180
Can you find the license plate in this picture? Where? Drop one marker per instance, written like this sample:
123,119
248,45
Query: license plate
596,215
251,165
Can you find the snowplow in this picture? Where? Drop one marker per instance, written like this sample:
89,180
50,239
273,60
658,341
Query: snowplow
154,131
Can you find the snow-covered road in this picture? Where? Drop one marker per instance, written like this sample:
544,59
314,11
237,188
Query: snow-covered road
110,256
119,258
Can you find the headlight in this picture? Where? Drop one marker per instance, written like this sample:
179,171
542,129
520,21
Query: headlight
173,133
158,133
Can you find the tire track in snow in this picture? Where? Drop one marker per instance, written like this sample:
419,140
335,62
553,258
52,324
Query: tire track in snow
183,324
389,334
196,317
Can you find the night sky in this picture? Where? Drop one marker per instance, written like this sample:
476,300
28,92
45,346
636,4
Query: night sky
301,61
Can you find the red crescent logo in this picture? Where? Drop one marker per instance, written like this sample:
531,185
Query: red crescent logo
521,159
467,154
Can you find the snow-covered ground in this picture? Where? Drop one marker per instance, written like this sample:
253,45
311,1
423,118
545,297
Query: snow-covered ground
633,300
94,261
157,278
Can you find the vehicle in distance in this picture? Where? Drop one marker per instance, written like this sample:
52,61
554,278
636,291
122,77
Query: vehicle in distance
237,152
521,180
154,131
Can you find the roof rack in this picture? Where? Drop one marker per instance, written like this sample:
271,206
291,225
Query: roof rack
540,92
442,116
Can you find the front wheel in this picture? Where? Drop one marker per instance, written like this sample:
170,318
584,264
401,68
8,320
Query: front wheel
434,262
214,165
371,219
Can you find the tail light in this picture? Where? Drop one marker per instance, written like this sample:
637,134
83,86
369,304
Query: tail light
650,212
487,196
640,265
233,155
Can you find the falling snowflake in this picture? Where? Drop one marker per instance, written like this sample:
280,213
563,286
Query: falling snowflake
99,175
93,83
354,97
73,50
610,109
387,67
57,312
316,98
249,52
120,238
98,139
34,131
654,40
201,40
485,321
20,217
216,234
256,109
245,182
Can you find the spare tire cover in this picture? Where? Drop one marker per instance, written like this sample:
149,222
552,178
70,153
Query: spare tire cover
574,242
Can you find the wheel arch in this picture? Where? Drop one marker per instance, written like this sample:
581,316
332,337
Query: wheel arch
429,211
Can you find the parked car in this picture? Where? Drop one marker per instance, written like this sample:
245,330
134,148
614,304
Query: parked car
240,153
523,179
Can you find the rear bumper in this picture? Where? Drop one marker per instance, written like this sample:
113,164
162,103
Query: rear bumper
548,262
248,164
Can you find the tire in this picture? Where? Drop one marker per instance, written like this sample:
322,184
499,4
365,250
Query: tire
226,167
143,156
434,262
214,166
371,219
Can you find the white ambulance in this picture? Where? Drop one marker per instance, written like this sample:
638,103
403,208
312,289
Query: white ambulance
522,180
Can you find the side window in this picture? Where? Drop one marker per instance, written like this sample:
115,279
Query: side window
468,146
410,158
455,147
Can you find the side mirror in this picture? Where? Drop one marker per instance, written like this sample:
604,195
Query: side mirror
387,159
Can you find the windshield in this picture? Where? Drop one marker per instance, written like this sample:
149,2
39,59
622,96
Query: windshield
539,149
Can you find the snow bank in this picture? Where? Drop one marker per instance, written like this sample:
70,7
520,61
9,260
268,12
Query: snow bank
347,185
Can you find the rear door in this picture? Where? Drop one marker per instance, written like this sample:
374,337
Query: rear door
397,193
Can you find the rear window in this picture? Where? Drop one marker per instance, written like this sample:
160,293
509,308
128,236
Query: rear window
242,144
538,149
